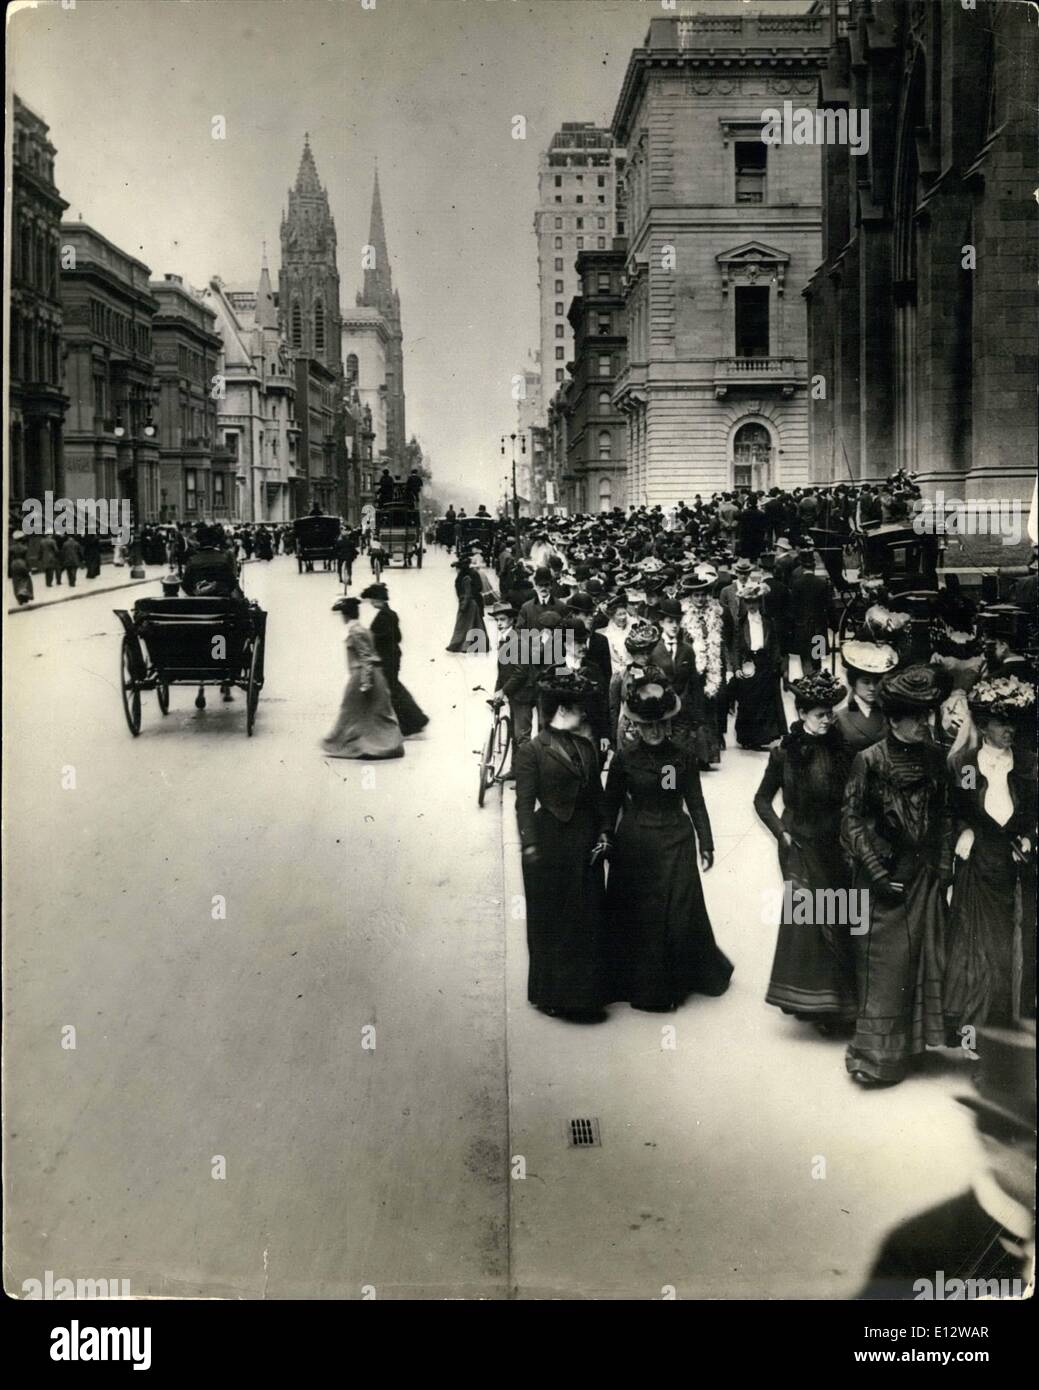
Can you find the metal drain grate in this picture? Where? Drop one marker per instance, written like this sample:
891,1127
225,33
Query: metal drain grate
583,1134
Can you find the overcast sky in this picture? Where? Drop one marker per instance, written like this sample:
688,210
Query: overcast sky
429,87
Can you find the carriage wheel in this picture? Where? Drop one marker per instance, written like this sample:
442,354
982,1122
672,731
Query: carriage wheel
162,690
252,698
130,689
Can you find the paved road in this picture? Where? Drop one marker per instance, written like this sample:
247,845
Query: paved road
378,895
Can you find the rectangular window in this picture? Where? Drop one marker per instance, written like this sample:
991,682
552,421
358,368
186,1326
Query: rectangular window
605,364
580,243
604,281
601,181
560,330
751,320
558,198
559,308
559,243
559,224
604,324
560,354
559,263
190,490
601,198
600,221
559,374
580,224
99,397
559,180
580,199
751,164
218,490
620,228
559,287
600,243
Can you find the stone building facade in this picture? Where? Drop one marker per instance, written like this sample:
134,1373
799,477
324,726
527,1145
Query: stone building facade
197,475
256,409
111,431
923,313
36,397
593,478
723,234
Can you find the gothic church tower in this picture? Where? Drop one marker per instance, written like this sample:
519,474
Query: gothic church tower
378,293
308,282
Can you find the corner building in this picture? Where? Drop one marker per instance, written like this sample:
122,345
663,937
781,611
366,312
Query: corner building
723,234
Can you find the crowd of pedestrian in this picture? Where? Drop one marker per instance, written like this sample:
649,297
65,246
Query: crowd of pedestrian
906,782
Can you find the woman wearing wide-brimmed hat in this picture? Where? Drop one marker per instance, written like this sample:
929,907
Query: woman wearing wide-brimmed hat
560,819
860,720
757,659
640,642
661,946
470,634
367,726
990,949
896,828
813,975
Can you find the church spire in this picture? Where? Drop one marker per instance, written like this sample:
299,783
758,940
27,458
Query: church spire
378,278
307,180
266,313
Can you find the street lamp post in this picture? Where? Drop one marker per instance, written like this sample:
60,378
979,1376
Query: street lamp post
515,496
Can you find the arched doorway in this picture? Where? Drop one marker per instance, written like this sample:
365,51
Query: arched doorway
752,456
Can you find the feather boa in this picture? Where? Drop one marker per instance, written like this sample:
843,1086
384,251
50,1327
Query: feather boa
702,624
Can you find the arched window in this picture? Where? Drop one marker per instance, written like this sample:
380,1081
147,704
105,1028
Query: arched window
319,327
751,456
297,325
605,494
352,367
605,444
604,400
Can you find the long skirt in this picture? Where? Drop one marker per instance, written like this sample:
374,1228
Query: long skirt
898,966
21,582
367,726
759,716
984,948
660,943
813,973
470,634
409,716
565,915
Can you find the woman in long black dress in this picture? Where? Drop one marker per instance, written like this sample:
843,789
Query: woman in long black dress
813,972
758,661
661,946
896,829
470,634
560,819
990,952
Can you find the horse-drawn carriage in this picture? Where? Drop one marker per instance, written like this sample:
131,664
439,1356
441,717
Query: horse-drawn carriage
316,538
398,527
191,641
444,532
475,533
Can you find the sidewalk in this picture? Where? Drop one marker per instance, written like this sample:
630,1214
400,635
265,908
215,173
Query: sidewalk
109,581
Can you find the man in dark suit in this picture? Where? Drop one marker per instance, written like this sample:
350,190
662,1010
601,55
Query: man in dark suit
675,658
810,596
210,571
581,607
751,530
543,601
386,639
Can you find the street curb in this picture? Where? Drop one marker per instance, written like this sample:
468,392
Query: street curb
93,593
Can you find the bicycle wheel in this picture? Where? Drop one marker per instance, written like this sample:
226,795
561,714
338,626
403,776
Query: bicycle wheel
487,764
502,745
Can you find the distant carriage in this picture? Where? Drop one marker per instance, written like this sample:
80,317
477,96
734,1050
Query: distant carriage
191,641
476,533
398,526
316,538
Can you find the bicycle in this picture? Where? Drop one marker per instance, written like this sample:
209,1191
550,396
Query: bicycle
496,750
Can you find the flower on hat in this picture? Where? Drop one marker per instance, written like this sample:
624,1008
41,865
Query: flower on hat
1003,696
818,689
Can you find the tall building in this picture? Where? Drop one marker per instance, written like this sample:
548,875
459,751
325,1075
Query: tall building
577,211
256,410
373,333
36,399
198,477
723,234
923,312
309,316
112,428
593,479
